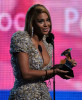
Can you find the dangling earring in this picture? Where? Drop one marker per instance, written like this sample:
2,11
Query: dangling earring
32,32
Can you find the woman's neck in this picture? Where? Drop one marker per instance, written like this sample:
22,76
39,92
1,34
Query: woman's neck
37,38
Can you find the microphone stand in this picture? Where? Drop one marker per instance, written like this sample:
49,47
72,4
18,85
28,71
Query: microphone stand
50,39
54,76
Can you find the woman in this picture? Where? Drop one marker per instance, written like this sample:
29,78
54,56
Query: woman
31,57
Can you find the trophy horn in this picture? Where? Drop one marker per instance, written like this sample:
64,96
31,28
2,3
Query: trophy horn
67,53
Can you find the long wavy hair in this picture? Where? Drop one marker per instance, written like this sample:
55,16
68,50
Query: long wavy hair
31,15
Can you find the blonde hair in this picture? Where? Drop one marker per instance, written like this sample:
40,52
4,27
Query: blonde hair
31,15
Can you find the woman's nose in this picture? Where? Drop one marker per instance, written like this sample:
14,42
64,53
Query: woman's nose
45,24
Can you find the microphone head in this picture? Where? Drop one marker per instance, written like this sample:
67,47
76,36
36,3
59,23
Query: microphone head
50,38
51,35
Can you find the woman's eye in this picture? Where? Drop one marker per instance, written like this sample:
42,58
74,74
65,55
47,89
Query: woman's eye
40,21
48,19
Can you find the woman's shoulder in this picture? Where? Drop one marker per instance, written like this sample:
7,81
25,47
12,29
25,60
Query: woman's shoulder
21,34
20,41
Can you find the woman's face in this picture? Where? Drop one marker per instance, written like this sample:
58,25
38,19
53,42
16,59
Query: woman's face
42,24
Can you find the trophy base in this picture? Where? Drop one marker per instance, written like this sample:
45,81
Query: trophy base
65,68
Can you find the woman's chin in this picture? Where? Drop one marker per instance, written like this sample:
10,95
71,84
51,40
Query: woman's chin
45,33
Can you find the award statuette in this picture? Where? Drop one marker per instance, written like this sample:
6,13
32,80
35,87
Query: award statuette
67,61
65,64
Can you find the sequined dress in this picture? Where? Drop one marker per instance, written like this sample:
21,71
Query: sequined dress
25,89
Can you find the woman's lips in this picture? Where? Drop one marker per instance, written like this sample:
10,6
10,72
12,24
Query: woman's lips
46,29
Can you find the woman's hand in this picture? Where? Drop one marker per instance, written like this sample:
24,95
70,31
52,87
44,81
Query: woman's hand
59,71
74,63
62,73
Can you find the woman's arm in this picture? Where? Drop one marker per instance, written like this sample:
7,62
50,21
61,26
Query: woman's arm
27,73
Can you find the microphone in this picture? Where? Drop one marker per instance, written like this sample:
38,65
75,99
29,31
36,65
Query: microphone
50,38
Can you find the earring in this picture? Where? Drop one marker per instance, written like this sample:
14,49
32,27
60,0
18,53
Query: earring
32,32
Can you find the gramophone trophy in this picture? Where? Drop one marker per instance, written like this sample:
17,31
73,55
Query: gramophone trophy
65,64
